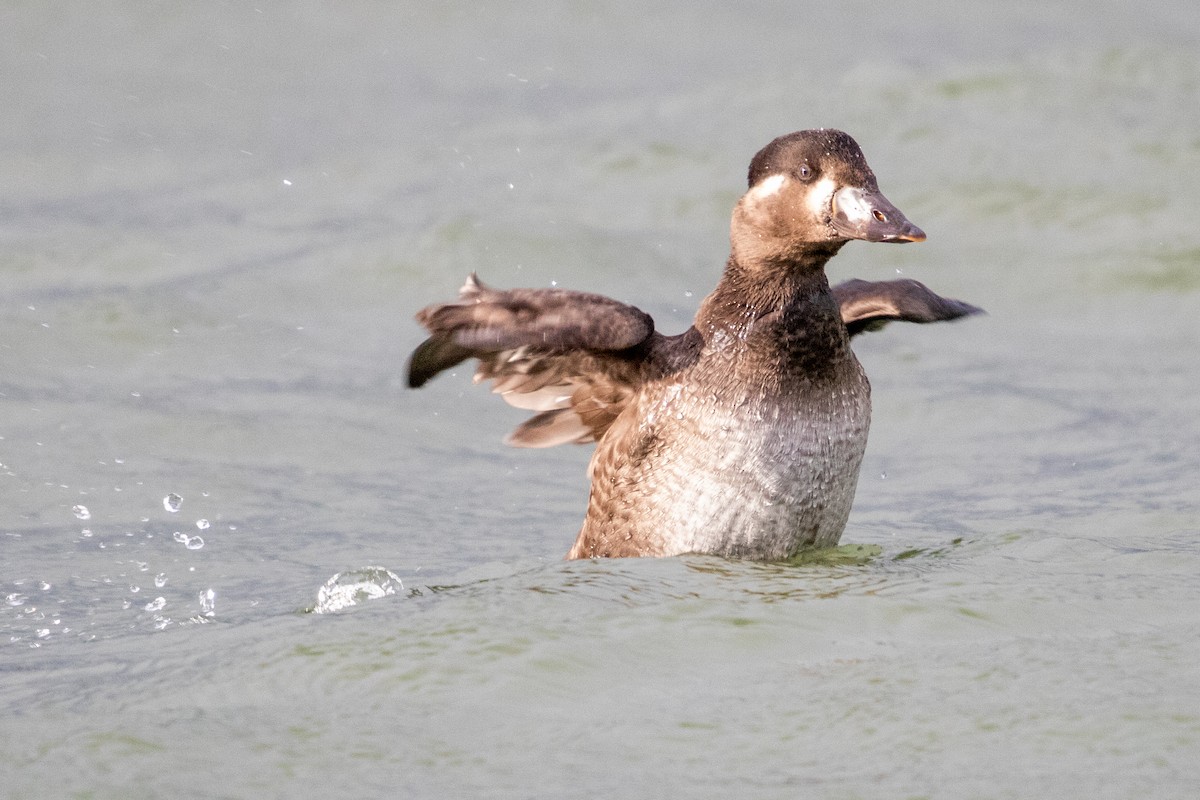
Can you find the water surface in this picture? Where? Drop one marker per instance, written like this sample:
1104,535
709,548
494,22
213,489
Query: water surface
218,221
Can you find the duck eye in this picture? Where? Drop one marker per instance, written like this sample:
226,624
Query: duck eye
805,172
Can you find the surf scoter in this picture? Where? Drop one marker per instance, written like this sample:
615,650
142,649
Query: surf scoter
741,436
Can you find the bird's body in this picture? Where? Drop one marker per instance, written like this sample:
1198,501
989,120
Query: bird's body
742,436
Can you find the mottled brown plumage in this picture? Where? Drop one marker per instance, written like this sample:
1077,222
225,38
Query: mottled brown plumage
741,436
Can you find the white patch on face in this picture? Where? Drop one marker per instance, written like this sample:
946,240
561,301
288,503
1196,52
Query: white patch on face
853,206
769,186
820,197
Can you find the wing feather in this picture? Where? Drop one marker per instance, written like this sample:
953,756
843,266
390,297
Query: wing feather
575,357
869,305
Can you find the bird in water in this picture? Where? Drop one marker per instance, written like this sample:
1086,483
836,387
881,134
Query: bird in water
742,436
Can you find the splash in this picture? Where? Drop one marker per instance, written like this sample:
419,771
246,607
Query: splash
355,587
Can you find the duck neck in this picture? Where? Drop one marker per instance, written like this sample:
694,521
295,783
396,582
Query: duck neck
766,288
783,312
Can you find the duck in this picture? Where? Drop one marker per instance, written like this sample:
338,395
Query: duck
743,436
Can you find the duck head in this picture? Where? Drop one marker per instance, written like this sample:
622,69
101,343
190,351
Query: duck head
811,192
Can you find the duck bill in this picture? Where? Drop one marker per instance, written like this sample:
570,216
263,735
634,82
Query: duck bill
866,214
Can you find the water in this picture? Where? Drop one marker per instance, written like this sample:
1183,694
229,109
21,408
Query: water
355,587
218,221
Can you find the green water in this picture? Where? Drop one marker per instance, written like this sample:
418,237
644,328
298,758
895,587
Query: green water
217,222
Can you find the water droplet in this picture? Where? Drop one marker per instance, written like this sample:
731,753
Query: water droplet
194,543
202,524
42,633
135,589
181,537
156,604
87,532
172,502
356,586
160,580
208,603
81,512
44,586
15,599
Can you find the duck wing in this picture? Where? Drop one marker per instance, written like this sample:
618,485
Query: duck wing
869,305
575,358
578,359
